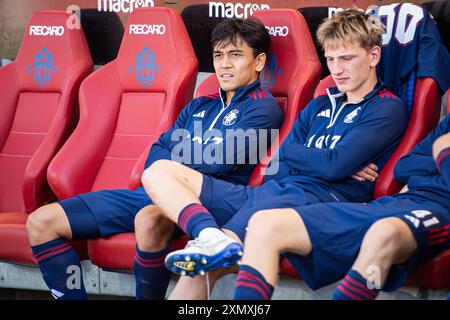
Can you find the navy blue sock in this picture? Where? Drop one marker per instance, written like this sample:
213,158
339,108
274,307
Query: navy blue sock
152,276
354,287
194,218
251,285
61,269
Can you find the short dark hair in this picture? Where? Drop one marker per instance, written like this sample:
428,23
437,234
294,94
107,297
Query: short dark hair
251,31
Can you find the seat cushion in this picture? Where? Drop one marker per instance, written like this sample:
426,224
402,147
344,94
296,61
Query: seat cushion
13,218
118,251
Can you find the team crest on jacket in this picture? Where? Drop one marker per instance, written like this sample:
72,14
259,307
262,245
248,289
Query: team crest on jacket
349,118
230,118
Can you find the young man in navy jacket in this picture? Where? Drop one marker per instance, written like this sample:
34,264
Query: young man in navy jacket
355,125
201,127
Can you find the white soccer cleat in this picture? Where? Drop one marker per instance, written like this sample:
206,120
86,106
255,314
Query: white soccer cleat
204,254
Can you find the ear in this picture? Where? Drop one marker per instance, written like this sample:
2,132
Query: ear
260,61
375,56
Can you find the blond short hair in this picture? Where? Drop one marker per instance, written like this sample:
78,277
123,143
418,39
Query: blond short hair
350,26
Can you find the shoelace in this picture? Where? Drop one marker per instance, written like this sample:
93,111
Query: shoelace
203,243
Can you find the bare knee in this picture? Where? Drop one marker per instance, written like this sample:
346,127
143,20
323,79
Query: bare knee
388,239
153,229
47,223
153,175
264,228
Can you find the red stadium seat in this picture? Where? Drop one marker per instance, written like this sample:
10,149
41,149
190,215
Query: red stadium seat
448,101
124,109
434,274
291,76
38,111
424,118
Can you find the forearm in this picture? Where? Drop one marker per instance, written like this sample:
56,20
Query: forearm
414,165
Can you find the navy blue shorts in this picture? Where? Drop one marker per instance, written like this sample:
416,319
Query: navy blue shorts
104,213
233,205
222,198
108,212
337,230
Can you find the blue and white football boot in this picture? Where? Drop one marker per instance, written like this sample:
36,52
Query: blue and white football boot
204,254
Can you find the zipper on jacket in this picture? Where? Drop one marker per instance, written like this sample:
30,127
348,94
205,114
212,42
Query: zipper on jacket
220,113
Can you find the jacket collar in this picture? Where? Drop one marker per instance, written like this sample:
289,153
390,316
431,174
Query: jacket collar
242,92
335,95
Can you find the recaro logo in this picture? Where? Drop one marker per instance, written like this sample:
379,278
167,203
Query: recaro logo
125,6
158,29
46,31
278,31
231,10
